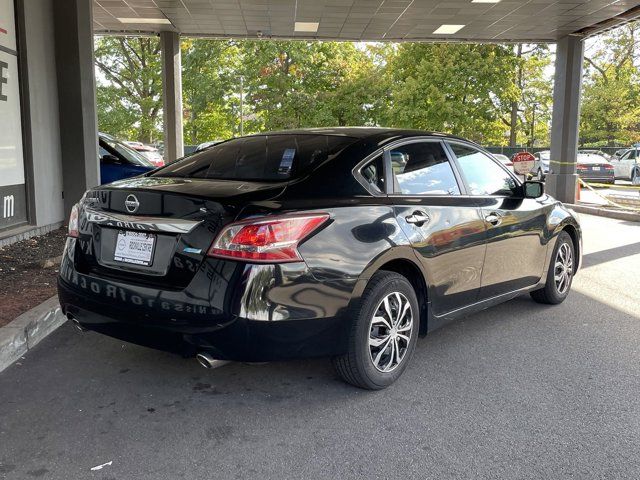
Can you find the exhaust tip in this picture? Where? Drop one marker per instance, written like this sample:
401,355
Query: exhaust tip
207,361
77,325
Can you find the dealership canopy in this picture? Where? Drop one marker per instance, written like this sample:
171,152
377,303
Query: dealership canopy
366,20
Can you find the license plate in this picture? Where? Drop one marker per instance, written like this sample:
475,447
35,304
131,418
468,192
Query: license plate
134,247
595,169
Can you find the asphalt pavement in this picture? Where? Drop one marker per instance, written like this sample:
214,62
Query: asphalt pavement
518,391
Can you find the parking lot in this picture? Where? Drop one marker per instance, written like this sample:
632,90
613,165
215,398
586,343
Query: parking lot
518,391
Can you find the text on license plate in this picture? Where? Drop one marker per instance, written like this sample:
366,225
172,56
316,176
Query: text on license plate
134,247
595,169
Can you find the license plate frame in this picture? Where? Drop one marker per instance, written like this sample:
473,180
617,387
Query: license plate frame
595,169
135,248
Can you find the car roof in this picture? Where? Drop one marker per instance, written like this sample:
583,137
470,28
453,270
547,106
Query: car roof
362,133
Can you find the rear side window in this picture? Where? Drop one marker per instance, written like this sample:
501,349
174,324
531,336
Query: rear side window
483,175
373,174
263,157
422,169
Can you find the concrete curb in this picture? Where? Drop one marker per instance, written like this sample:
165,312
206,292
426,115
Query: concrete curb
26,331
605,212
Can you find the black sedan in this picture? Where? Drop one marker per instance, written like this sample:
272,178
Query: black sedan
347,243
592,167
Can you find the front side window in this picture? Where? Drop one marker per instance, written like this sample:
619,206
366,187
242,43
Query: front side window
422,168
484,176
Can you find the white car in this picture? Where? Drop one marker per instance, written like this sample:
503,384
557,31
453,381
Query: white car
627,167
506,161
541,165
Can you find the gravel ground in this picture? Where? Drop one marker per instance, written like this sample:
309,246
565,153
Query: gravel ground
24,282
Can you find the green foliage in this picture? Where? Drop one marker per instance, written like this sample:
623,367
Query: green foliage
493,94
129,87
611,95
456,88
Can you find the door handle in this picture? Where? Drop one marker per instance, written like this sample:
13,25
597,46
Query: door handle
494,219
417,218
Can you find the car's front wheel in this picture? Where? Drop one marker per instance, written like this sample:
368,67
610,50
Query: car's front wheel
383,335
560,273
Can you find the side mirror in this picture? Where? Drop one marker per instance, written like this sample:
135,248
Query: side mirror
533,189
110,159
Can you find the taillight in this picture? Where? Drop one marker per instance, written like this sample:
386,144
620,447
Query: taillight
73,222
608,167
581,166
270,240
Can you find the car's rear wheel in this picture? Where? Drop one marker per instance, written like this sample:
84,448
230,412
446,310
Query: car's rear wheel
383,335
560,273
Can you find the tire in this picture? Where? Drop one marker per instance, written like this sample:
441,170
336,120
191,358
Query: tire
554,292
635,177
359,366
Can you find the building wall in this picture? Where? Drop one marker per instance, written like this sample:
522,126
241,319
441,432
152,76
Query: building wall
43,118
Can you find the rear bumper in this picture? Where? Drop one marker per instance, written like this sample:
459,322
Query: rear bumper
234,311
597,177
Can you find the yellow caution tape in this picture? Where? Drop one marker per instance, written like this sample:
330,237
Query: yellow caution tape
616,187
608,200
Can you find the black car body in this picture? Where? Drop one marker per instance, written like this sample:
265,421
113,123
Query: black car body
385,200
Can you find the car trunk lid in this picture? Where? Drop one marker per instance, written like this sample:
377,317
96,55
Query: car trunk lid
157,231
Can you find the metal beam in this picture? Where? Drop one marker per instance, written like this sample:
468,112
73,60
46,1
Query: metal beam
172,95
562,179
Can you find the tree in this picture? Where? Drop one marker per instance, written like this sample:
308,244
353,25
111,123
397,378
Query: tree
611,95
309,84
458,88
129,87
208,83
530,111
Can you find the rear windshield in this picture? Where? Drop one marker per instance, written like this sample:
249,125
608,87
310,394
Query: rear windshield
264,157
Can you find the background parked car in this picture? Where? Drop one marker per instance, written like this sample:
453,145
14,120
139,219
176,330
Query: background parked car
506,161
627,167
150,153
541,166
119,161
595,168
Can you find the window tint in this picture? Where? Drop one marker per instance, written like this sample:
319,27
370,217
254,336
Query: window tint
484,176
373,174
262,157
423,169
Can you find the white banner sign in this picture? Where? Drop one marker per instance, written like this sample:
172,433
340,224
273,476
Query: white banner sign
7,25
11,165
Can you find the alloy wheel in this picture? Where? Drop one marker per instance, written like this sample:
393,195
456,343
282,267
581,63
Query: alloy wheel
390,332
563,268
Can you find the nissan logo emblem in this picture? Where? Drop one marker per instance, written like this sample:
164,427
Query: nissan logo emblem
131,203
